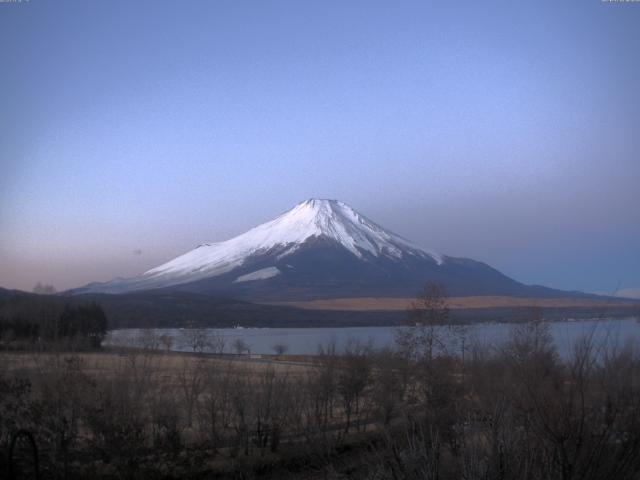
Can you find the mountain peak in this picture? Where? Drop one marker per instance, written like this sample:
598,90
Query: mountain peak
339,222
314,218
319,201
318,206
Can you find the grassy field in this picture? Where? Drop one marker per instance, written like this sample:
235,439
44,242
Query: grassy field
167,366
360,414
393,303
227,412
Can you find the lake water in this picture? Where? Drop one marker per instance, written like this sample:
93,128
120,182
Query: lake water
612,332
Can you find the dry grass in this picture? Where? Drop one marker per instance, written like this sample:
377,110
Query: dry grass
167,366
395,304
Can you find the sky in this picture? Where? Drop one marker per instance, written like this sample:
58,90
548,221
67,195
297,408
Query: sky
507,132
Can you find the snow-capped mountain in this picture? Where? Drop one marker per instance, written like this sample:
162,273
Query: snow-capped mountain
328,219
318,249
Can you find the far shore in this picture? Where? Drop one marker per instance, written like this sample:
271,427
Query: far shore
396,304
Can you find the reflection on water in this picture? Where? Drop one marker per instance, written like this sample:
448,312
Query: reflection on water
612,332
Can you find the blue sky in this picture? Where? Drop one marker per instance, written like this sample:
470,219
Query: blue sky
502,131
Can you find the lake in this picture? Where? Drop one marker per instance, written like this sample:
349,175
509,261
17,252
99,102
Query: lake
612,332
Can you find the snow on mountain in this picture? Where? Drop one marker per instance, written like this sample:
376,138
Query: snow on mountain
261,274
314,218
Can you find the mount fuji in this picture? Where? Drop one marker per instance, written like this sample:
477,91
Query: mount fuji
319,249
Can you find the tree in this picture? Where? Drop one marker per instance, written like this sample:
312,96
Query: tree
148,339
427,314
353,378
191,378
217,342
166,341
280,348
88,321
240,346
196,338
388,388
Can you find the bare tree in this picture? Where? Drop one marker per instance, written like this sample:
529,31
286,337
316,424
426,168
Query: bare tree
217,342
240,346
190,378
217,403
388,389
197,339
427,315
353,378
280,348
166,341
148,339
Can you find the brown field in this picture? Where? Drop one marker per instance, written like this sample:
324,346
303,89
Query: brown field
361,414
167,366
393,303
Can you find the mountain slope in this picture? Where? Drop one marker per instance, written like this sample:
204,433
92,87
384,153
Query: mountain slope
319,249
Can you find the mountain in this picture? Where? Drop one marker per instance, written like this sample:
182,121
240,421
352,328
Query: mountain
319,249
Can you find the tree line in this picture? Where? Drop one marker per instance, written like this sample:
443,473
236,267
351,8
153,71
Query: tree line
26,320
